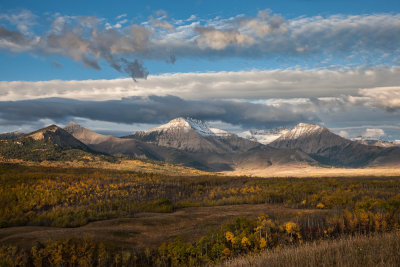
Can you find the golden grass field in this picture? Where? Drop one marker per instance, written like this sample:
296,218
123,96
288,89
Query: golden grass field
150,229
311,171
125,165
301,171
351,251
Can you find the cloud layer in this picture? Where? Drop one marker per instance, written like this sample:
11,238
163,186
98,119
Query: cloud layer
375,83
152,109
355,39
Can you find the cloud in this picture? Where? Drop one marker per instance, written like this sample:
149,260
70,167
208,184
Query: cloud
23,20
160,23
316,84
135,69
387,98
353,39
152,109
12,40
265,23
218,40
121,16
373,133
344,134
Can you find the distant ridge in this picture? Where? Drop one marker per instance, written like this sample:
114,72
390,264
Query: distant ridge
10,135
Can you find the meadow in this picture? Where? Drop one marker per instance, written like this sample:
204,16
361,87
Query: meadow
102,217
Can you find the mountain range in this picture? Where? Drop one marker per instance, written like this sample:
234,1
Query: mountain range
193,143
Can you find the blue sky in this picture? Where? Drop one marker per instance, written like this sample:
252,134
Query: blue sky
335,63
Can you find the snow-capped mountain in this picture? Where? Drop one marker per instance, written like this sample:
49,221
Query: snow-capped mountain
268,136
309,138
264,136
331,149
193,135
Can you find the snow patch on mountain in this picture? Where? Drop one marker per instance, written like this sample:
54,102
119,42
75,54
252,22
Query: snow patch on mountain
186,124
302,130
220,133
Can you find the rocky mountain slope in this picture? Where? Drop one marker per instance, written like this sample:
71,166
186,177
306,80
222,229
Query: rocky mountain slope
110,144
57,136
142,150
191,143
331,149
193,136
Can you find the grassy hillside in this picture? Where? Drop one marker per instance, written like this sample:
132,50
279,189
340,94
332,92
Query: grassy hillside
353,251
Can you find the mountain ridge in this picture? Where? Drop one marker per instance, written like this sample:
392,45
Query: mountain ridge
193,143
193,136
331,149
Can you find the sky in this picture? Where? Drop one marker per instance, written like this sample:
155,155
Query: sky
120,66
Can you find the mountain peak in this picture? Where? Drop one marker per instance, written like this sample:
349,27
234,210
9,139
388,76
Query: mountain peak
72,123
307,125
184,124
40,134
72,126
58,137
302,129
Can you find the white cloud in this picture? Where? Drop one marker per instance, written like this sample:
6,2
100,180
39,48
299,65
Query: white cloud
344,134
383,97
121,16
23,20
362,38
340,86
374,133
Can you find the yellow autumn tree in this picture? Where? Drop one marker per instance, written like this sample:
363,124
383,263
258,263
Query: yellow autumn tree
293,230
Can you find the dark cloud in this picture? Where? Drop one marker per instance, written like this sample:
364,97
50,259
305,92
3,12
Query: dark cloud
11,36
56,64
152,109
135,69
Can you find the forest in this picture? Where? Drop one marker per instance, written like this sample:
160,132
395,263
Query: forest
73,197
